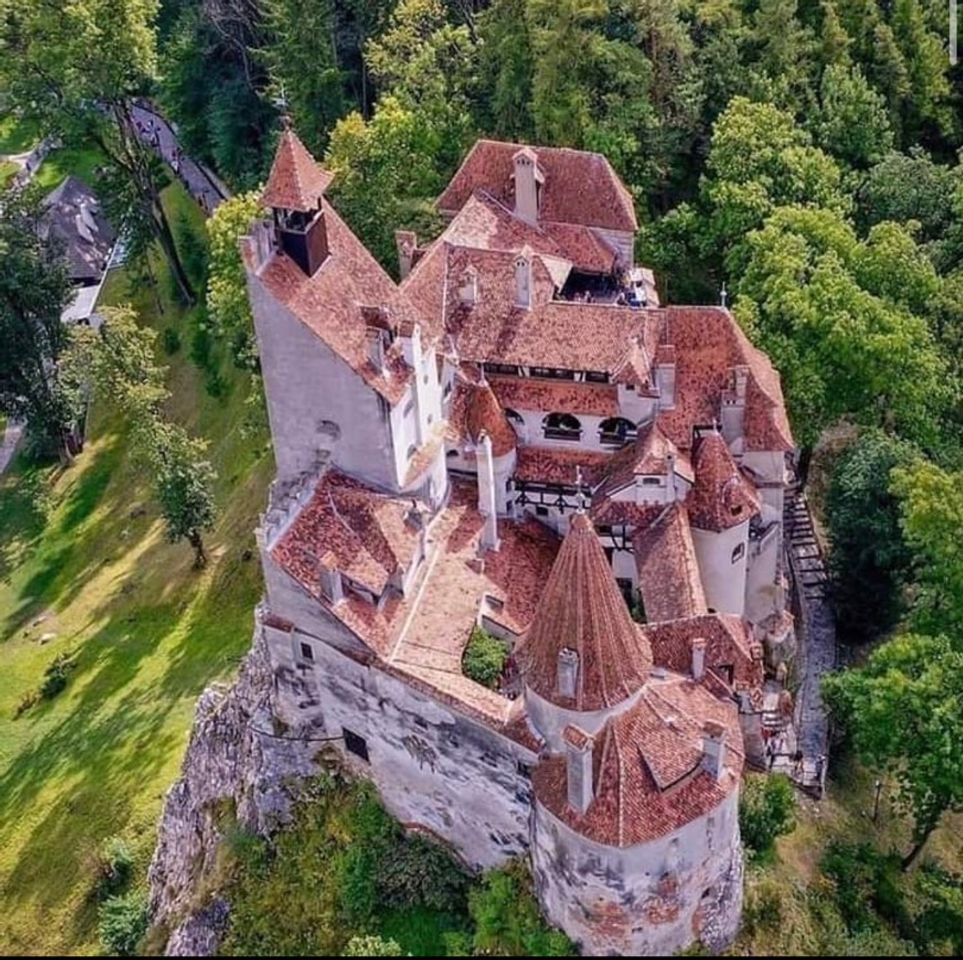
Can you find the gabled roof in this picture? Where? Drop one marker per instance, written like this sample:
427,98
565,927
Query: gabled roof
296,182
648,455
579,187
582,609
721,496
647,767
475,410
72,216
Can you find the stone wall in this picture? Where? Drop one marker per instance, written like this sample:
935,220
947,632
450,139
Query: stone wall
652,899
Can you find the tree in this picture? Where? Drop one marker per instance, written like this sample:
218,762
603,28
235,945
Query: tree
78,67
869,560
784,48
852,123
819,301
767,808
34,290
931,505
904,714
227,301
372,946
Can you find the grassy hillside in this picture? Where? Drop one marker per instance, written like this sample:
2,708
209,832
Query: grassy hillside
83,558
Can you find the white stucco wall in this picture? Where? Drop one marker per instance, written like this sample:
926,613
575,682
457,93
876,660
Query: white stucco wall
652,899
550,720
723,582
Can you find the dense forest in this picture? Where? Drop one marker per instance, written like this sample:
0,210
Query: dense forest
798,159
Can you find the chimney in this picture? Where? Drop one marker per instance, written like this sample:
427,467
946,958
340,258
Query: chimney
670,473
665,376
578,758
713,749
303,237
527,180
374,337
486,494
567,672
406,242
523,281
468,291
331,585
698,658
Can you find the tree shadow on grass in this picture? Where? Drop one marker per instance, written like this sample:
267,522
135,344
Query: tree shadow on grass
24,509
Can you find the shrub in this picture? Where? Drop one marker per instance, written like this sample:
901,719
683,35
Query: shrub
55,676
122,923
114,868
422,873
484,658
507,918
766,810
371,946
171,340
193,248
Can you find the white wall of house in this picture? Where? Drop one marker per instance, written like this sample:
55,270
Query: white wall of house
723,578
550,720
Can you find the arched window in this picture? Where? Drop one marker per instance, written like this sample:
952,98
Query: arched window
516,420
616,432
412,450
561,426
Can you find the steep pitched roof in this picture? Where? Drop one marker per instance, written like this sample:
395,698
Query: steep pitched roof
721,496
647,767
475,410
582,609
296,182
579,187
648,455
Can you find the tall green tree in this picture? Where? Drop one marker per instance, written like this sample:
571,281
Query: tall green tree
852,122
34,290
78,68
904,714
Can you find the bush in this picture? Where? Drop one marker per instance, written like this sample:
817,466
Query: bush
171,341
507,918
55,676
422,873
193,249
371,947
122,923
484,658
114,868
766,810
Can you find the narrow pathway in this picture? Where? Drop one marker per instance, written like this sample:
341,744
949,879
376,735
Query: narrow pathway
8,446
202,184
816,634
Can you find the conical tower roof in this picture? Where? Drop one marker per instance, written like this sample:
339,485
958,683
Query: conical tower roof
582,609
296,182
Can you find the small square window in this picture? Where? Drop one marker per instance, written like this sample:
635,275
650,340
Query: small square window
306,652
355,744
541,511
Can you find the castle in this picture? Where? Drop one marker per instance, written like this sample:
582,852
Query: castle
518,437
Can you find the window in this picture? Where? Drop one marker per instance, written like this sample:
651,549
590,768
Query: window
306,652
593,376
650,481
562,426
412,450
553,373
616,431
447,388
737,554
409,406
541,511
355,744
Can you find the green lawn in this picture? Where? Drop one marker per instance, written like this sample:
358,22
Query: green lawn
17,135
65,161
84,549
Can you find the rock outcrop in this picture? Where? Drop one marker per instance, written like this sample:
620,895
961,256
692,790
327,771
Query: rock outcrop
240,768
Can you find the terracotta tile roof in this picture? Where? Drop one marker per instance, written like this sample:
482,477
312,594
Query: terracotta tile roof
634,367
582,609
707,344
585,249
668,571
729,643
550,465
556,396
648,772
648,455
618,513
425,455
721,496
348,527
576,737
330,303
296,182
580,187
475,409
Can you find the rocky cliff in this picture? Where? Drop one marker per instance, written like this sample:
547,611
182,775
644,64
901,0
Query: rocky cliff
240,768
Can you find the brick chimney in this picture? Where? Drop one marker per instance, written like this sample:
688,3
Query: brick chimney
713,749
698,658
567,672
528,179
578,758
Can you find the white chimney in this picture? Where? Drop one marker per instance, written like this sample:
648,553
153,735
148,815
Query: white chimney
486,493
406,242
468,291
698,658
578,758
713,749
331,585
523,282
567,672
527,179
374,337
665,383
670,474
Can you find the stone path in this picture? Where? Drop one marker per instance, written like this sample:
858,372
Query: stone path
202,184
8,446
816,634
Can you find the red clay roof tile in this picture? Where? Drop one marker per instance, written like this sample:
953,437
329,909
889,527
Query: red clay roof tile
296,182
721,496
